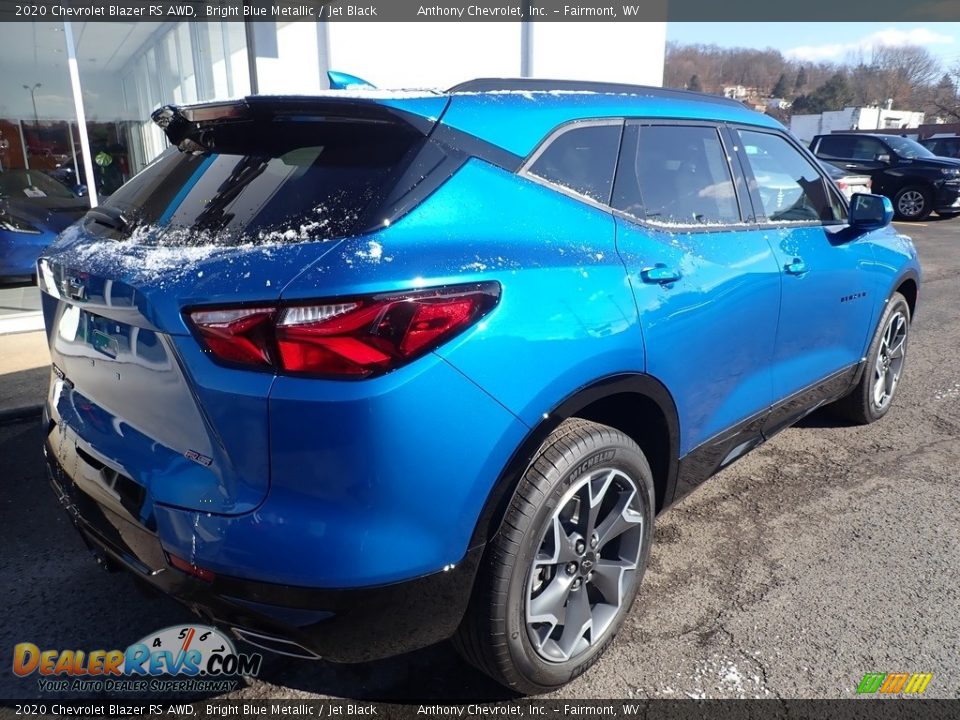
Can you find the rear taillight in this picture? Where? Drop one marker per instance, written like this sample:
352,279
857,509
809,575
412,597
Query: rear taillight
349,338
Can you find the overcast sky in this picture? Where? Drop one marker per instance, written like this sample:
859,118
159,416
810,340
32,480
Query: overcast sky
820,41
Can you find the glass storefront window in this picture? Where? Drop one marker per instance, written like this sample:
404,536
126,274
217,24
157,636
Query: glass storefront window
39,149
140,66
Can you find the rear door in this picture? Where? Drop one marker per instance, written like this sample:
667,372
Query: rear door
825,306
707,285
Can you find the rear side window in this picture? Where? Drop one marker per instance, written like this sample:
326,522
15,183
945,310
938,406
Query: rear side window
835,146
583,159
790,188
675,175
291,181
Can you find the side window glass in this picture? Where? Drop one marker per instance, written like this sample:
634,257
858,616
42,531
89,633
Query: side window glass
791,189
868,149
582,159
835,147
676,175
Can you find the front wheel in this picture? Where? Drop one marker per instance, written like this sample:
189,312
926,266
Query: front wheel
560,576
913,203
871,399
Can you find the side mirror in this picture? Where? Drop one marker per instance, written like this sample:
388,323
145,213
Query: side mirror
870,212
884,158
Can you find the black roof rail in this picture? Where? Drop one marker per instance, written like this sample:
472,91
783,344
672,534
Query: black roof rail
480,85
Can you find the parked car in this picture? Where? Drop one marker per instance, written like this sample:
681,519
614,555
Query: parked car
943,145
33,210
915,179
849,183
354,373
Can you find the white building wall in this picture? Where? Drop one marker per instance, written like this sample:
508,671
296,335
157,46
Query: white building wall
806,126
424,55
439,55
626,52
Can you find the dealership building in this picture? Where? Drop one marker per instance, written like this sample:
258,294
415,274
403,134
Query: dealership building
76,97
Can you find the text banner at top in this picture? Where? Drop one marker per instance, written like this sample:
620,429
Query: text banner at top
487,11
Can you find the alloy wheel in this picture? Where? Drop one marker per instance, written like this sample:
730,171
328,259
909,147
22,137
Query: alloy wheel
889,362
910,203
587,559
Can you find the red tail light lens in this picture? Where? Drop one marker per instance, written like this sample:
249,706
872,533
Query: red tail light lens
356,338
241,335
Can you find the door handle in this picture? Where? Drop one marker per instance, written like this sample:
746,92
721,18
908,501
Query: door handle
659,274
796,267
848,165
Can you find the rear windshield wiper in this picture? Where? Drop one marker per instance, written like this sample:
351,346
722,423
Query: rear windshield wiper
108,217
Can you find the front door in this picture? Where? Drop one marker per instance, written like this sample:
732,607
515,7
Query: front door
826,306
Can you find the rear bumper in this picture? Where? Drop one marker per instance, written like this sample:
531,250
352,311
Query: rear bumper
342,625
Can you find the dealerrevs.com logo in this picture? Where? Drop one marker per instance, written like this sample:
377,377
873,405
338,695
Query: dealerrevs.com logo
180,658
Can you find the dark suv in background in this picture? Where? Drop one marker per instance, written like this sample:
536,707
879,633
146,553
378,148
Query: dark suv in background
948,146
917,181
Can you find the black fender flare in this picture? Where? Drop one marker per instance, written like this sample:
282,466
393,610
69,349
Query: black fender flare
641,384
908,274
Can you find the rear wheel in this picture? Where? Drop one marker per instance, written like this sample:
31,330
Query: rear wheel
872,397
913,203
559,578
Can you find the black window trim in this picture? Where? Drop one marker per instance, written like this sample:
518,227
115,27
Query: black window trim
762,221
563,129
750,208
744,201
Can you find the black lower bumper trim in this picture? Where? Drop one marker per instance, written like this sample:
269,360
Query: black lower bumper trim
342,625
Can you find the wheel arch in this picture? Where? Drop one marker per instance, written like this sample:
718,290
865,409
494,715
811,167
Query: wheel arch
637,404
908,285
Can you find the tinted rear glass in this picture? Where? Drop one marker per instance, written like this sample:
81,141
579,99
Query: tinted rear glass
310,180
582,159
675,175
835,146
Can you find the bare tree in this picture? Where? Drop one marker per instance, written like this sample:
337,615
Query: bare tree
904,73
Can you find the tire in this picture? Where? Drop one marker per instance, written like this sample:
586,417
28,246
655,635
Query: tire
913,203
887,354
541,560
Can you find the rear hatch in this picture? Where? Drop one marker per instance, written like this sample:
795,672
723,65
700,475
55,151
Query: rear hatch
255,192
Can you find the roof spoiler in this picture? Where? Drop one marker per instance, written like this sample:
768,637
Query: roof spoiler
182,125
193,128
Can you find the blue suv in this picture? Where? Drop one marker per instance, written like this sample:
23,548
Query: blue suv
355,373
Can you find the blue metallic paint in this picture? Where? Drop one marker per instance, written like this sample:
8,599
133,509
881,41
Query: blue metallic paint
19,252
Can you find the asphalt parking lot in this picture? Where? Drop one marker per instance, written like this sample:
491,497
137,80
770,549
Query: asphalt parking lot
830,552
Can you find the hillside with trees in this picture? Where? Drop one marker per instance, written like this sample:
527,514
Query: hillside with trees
909,76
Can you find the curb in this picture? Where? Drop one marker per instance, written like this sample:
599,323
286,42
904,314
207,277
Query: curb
20,414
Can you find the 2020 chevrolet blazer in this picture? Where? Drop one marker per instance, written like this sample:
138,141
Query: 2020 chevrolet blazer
354,373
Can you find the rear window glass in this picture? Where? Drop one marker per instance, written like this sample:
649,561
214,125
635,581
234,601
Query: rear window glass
582,159
675,175
312,181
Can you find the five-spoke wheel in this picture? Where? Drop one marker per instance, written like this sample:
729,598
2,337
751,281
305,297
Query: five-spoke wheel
564,568
587,556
